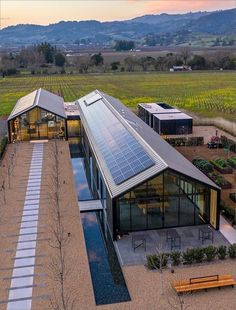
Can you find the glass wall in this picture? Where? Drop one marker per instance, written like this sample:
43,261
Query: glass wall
73,128
167,200
37,124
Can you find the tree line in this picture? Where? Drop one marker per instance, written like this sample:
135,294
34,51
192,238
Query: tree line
47,59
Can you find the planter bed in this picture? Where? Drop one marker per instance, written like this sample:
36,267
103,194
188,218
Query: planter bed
222,166
220,180
232,161
232,196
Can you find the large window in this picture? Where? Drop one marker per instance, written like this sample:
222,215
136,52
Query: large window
167,200
37,124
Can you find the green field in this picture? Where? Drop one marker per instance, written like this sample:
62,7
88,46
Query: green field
207,93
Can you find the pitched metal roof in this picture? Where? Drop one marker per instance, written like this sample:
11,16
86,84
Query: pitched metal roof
163,155
39,98
87,106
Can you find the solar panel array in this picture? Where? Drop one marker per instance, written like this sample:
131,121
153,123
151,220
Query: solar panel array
123,154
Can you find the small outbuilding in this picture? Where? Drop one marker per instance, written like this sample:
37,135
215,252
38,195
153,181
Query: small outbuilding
165,119
38,115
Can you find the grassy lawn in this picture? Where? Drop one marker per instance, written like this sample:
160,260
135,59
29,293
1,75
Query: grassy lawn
207,93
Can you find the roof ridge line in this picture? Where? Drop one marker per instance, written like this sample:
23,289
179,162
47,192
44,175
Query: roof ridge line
132,130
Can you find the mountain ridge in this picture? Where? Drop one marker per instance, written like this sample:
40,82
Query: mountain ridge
221,22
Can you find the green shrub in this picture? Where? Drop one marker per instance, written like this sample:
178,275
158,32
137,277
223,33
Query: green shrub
210,252
153,261
222,252
228,211
188,256
176,257
3,145
232,250
198,255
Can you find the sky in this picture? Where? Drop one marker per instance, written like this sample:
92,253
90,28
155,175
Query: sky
45,12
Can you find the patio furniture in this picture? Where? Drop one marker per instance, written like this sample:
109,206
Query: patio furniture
174,238
138,241
203,283
205,233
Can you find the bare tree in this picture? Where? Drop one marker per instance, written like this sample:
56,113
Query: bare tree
159,261
176,301
185,54
60,269
82,63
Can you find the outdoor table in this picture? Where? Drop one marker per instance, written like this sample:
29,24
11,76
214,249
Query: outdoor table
205,233
138,241
174,237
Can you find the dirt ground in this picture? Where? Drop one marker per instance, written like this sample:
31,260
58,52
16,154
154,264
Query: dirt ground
143,285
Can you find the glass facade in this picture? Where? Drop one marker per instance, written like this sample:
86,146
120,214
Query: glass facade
37,124
73,128
167,200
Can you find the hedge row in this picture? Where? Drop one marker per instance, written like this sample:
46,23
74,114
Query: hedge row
228,143
3,145
191,256
191,141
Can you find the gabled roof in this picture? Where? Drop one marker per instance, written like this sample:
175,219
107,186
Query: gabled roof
163,155
39,98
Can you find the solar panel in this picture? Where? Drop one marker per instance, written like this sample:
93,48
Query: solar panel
92,98
123,154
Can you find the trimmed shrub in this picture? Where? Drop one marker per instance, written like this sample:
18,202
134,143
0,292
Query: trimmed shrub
176,257
222,252
153,261
210,253
198,255
232,250
188,256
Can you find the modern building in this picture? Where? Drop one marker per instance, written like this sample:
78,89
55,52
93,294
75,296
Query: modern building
43,115
142,182
165,119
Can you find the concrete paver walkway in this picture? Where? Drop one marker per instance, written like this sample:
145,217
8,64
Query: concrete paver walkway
21,288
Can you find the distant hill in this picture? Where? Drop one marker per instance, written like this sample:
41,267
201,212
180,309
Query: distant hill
187,26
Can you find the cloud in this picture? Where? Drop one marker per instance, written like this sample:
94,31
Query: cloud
180,6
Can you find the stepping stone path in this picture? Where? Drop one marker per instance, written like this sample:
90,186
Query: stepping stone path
21,288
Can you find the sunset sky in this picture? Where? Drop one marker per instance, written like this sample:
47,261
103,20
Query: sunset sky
45,12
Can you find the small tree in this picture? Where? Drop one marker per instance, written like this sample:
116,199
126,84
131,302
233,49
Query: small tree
60,60
97,59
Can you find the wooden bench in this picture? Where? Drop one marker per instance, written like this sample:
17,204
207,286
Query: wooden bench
203,283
